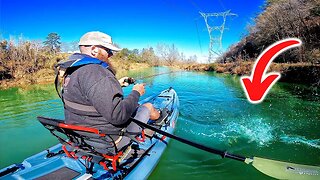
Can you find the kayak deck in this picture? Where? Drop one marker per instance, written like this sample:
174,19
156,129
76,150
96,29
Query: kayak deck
138,163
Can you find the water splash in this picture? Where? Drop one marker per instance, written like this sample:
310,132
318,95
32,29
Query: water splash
255,130
232,130
300,140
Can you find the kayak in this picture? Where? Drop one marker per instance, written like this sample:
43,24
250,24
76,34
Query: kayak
73,158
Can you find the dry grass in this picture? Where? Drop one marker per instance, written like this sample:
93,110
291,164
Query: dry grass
47,75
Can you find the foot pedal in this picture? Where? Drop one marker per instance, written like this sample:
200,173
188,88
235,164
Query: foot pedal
163,117
125,154
148,132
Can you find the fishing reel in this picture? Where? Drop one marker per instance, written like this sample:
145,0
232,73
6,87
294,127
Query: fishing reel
130,80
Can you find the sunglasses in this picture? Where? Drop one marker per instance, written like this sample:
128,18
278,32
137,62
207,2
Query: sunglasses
109,51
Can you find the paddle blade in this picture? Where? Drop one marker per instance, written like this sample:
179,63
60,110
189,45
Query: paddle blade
285,170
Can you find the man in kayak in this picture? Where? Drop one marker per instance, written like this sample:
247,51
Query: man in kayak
93,96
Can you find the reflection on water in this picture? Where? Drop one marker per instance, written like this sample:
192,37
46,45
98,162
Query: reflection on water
19,106
213,111
21,135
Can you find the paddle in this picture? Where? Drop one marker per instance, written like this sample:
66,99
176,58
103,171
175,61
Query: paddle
276,169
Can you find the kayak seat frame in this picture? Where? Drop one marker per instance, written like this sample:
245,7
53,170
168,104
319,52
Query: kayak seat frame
76,146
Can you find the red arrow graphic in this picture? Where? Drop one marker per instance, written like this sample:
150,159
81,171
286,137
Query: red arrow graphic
258,84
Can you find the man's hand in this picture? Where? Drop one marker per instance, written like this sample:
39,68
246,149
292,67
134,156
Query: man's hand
124,82
139,88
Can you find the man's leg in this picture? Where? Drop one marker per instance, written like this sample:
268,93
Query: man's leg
154,113
144,113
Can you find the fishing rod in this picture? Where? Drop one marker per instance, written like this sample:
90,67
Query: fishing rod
131,80
273,168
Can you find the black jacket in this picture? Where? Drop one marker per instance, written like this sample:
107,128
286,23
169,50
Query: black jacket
94,85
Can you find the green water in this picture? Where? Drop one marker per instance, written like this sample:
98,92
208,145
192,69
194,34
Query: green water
213,112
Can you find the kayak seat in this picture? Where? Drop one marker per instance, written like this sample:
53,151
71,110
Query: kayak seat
87,143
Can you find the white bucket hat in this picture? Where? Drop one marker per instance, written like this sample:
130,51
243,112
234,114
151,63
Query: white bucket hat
99,39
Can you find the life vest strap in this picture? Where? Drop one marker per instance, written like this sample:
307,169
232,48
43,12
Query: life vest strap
80,107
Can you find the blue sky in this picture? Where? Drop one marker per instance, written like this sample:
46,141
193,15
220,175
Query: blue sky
132,24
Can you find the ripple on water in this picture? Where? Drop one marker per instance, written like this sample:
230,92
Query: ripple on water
24,114
300,140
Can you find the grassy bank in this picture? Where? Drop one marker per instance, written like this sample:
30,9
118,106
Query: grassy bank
25,62
47,75
302,73
43,76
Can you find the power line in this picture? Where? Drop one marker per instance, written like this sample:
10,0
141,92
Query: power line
198,35
222,5
195,5
174,7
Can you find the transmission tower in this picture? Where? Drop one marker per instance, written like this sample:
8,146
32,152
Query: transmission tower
215,45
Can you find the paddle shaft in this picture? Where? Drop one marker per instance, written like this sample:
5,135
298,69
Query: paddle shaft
223,154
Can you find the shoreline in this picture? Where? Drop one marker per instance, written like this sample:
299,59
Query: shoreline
300,73
47,76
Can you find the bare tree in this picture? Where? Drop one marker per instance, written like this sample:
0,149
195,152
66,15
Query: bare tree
148,55
169,53
279,20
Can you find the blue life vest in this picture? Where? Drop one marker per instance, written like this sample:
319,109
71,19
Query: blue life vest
72,64
89,60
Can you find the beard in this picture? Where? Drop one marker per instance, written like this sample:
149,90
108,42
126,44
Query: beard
101,56
111,67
